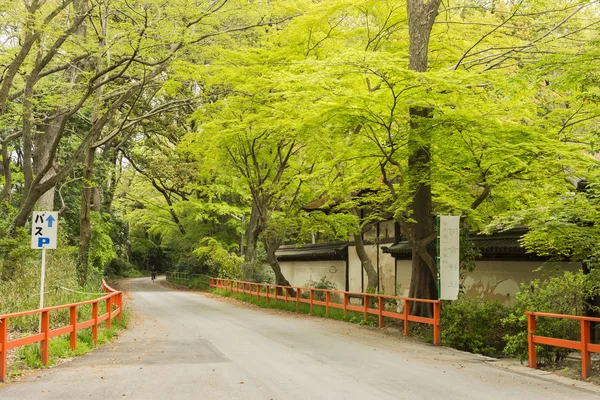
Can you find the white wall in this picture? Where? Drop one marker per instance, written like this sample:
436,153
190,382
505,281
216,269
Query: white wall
404,272
501,280
386,273
299,273
494,280
354,268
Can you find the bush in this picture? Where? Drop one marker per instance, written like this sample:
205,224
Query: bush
257,271
565,294
323,284
121,267
474,325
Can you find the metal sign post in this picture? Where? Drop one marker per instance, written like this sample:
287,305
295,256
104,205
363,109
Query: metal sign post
44,235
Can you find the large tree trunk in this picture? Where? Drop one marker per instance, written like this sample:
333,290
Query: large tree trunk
423,283
365,261
41,157
421,16
271,245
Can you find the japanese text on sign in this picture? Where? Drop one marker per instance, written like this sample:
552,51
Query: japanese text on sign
449,262
44,230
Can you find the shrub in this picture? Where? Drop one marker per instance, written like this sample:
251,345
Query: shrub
257,271
324,284
474,325
565,294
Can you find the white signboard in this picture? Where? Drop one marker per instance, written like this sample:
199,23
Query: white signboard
449,243
44,230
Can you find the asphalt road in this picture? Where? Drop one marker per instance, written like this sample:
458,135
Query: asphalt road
190,346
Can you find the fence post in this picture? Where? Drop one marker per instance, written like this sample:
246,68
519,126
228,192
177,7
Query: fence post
297,299
4,350
530,344
45,341
268,290
345,304
120,300
586,360
73,322
366,305
108,310
437,336
380,310
95,326
258,293
406,314
312,298
327,299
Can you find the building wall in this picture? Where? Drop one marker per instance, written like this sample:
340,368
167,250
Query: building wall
492,280
495,280
354,267
403,274
299,273
500,280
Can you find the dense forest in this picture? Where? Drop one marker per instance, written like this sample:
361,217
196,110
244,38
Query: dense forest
172,133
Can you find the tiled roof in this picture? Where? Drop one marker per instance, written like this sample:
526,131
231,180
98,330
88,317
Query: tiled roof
319,251
498,244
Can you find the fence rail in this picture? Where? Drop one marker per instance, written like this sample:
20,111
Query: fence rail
583,345
114,306
294,294
184,277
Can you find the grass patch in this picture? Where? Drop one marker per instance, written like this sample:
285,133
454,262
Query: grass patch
29,356
303,308
194,282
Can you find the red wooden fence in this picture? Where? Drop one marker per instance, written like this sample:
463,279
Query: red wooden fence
584,345
277,292
114,306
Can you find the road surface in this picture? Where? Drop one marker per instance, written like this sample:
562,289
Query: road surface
190,346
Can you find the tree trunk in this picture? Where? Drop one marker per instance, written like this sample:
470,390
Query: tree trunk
271,245
365,261
41,157
421,16
423,284
254,230
7,189
85,223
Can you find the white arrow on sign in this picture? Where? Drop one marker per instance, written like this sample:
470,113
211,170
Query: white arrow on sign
44,230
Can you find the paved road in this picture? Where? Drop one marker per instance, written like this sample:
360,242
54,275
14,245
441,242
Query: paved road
190,346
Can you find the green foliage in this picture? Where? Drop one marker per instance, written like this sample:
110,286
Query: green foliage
220,261
21,291
565,294
323,284
327,227
101,244
15,252
118,267
474,325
